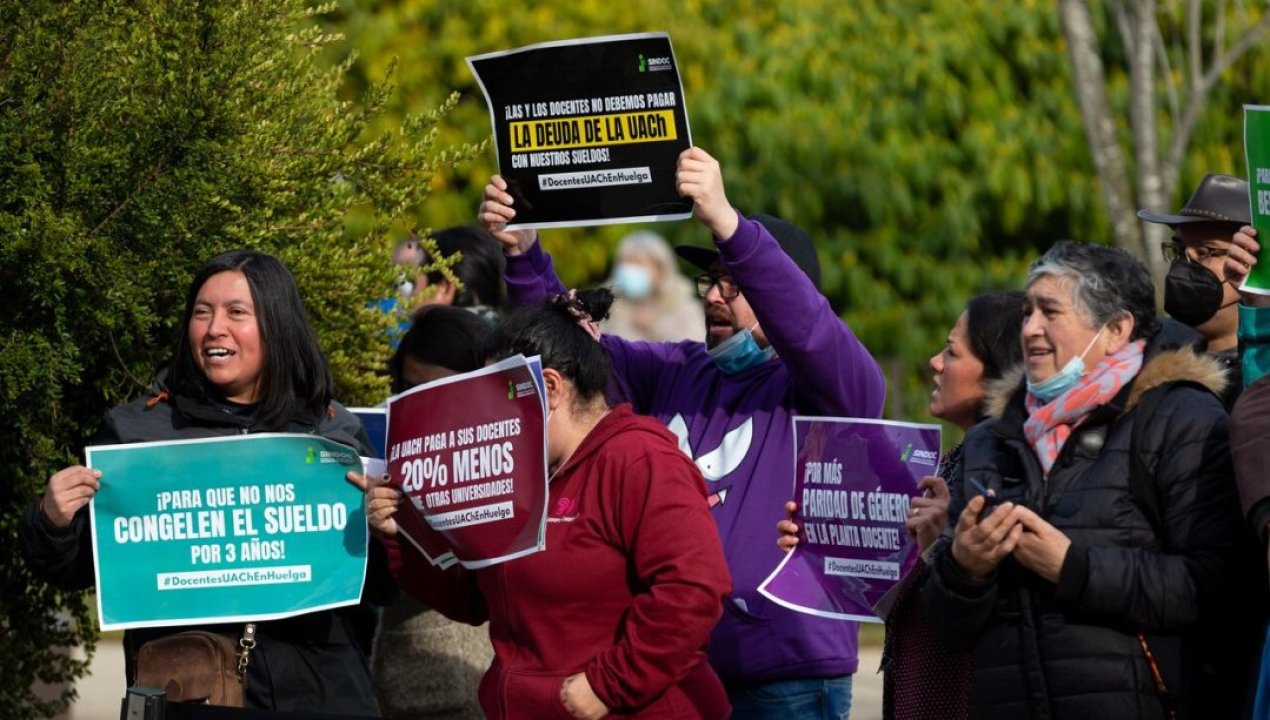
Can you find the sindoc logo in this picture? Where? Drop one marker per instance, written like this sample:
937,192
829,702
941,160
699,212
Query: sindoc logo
654,64
312,455
919,457
520,389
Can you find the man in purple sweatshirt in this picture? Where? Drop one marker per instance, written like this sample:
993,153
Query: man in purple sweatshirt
773,349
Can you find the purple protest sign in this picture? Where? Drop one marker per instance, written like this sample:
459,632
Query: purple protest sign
853,480
469,455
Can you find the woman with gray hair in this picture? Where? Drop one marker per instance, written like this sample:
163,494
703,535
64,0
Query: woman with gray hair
1097,520
654,301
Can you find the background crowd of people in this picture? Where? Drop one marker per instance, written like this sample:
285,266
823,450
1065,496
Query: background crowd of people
1094,548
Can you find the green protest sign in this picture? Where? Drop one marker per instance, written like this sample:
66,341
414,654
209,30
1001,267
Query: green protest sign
249,527
1257,151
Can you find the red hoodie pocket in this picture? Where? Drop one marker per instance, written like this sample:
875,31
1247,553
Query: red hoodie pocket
530,696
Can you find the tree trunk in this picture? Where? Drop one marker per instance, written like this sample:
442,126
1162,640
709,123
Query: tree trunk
1146,142
1100,126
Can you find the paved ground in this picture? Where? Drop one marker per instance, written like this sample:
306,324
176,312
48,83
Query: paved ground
101,691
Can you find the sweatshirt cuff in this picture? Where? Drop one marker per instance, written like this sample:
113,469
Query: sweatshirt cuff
46,525
743,242
603,692
1074,574
529,264
958,580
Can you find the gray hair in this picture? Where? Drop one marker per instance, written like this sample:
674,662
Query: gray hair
651,244
1106,282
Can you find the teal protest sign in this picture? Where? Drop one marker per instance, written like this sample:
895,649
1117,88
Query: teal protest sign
1257,154
249,527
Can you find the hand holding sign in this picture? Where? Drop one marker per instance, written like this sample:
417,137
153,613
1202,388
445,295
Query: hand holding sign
496,212
69,490
1240,260
788,529
699,178
381,502
928,514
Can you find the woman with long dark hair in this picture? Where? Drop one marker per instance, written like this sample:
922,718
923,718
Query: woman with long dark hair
246,361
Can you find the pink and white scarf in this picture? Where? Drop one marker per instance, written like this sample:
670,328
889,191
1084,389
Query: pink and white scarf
1050,424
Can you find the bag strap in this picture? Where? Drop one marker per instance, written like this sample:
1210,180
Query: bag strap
248,643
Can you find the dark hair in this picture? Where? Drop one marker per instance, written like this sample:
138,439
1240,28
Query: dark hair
994,322
1106,282
294,376
480,268
553,331
454,338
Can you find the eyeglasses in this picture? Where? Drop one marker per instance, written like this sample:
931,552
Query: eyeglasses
1201,254
727,288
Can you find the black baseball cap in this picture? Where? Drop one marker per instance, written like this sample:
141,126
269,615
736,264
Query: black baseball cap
796,243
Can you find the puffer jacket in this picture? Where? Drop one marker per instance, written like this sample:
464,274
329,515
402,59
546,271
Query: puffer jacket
1072,649
318,659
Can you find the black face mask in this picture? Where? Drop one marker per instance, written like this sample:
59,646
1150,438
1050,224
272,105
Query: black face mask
1192,294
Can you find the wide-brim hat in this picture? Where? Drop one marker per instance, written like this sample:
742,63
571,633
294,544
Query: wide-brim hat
1219,198
796,243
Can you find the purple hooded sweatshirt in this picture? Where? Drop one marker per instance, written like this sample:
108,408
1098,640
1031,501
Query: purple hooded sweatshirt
737,429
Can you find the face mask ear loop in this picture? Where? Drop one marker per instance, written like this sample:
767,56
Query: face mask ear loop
1092,340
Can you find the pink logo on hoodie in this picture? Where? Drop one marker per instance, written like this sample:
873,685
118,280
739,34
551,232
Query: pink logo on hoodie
564,506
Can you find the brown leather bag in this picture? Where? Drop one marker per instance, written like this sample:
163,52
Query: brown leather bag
193,667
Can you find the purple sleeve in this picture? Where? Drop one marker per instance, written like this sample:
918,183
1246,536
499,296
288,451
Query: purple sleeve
833,371
531,277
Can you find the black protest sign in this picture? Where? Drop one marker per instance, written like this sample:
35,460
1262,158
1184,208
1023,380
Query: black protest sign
588,131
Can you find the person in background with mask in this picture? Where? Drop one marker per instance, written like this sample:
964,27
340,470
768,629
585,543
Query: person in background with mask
654,302
773,348
1195,293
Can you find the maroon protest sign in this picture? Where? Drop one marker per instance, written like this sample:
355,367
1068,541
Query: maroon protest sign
468,452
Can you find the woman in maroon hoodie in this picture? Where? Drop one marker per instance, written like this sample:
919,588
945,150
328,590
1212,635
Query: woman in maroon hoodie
614,616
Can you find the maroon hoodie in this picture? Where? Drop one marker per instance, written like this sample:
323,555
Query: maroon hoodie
627,591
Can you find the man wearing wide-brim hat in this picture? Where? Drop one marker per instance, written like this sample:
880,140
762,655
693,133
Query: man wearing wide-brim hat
1195,290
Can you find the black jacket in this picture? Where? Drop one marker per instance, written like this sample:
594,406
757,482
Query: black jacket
1072,650
311,661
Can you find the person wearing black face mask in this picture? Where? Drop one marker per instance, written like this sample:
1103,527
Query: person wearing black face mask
1195,292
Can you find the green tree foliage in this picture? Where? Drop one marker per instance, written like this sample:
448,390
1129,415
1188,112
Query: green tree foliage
931,148
137,139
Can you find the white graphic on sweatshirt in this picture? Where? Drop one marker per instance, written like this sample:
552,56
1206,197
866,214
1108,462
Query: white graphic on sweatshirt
719,462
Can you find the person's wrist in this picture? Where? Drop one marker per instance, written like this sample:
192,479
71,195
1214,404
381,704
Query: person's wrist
965,565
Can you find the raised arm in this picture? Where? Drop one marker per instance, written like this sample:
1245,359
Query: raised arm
530,275
833,370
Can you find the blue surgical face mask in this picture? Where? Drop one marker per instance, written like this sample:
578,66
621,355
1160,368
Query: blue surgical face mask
1065,379
633,282
740,352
